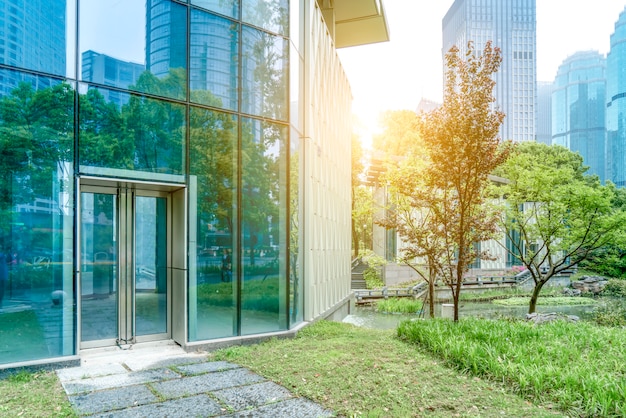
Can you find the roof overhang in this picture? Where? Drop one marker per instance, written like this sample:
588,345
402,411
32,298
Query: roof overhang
359,22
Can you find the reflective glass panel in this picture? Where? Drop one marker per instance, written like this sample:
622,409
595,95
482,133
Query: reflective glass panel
150,265
37,35
264,225
296,287
36,219
139,45
130,136
212,224
98,266
265,74
228,8
272,15
213,60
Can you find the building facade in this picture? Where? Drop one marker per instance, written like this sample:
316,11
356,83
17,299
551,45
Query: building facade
205,202
511,26
579,107
544,112
616,105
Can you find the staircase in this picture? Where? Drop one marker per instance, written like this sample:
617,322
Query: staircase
358,282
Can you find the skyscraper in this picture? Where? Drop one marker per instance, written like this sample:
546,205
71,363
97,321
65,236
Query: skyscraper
578,108
544,112
511,26
616,104
33,34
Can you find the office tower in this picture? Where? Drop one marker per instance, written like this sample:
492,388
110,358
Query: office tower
578,108
103,69
616,105
544,112
511,26
33,34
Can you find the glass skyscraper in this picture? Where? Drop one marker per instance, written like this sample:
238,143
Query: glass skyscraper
616,104
511,26
157,160
578,108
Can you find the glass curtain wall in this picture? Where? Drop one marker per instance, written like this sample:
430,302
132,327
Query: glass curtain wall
191,93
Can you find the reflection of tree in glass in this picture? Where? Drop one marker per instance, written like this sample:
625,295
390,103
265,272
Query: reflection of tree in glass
266,55
36,135
294,232
262,144
269,14
212,157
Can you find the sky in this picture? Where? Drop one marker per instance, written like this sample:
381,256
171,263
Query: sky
395,75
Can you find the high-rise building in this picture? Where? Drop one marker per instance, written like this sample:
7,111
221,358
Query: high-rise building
33,35
511,26
108,71
544,112
616,105
578,108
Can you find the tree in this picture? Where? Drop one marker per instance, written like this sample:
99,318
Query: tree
463,146
555,216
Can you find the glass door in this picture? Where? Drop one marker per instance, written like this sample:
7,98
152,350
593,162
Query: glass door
124,266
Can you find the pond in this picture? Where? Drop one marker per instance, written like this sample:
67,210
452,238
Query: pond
366,316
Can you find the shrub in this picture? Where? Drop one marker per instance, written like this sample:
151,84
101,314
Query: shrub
372,274
612,314
615,287
399,305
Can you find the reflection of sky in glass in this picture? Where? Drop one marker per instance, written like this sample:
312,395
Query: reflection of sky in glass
115,28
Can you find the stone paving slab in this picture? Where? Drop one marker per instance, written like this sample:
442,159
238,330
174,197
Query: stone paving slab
206,367
205,383
195,406
252,396
95,370
108,400
74,387
290,408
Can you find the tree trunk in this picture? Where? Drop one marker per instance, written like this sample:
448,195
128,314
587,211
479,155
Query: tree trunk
431,297
533,298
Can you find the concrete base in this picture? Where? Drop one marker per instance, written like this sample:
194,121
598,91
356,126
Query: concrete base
447,310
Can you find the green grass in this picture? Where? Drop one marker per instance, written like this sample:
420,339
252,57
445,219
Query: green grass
579,367
470,295
33,395
552,301
399,305
370,373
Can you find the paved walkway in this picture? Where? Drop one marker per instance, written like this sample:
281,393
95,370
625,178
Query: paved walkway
164,381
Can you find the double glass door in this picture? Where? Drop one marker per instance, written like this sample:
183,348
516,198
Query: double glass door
124,266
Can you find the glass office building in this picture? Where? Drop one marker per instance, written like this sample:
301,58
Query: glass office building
511,26
616,105
578,108
172,171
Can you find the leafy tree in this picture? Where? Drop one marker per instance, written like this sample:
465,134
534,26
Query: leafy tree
463,147
554,216
400,133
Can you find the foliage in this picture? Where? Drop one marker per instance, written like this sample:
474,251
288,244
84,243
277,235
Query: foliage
555,301
399,305
261,295
553,215
612,314
615,287
363,372
577,366
372,274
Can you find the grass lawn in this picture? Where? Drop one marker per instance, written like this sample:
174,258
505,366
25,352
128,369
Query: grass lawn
371,373
553,301
33,395
21,336
580,367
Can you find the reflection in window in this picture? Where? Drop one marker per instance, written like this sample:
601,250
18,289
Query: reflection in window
139,41
214,60
265,74
32,34
272,15
296,294
213,179
264,226
36,218
142,135
228,8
